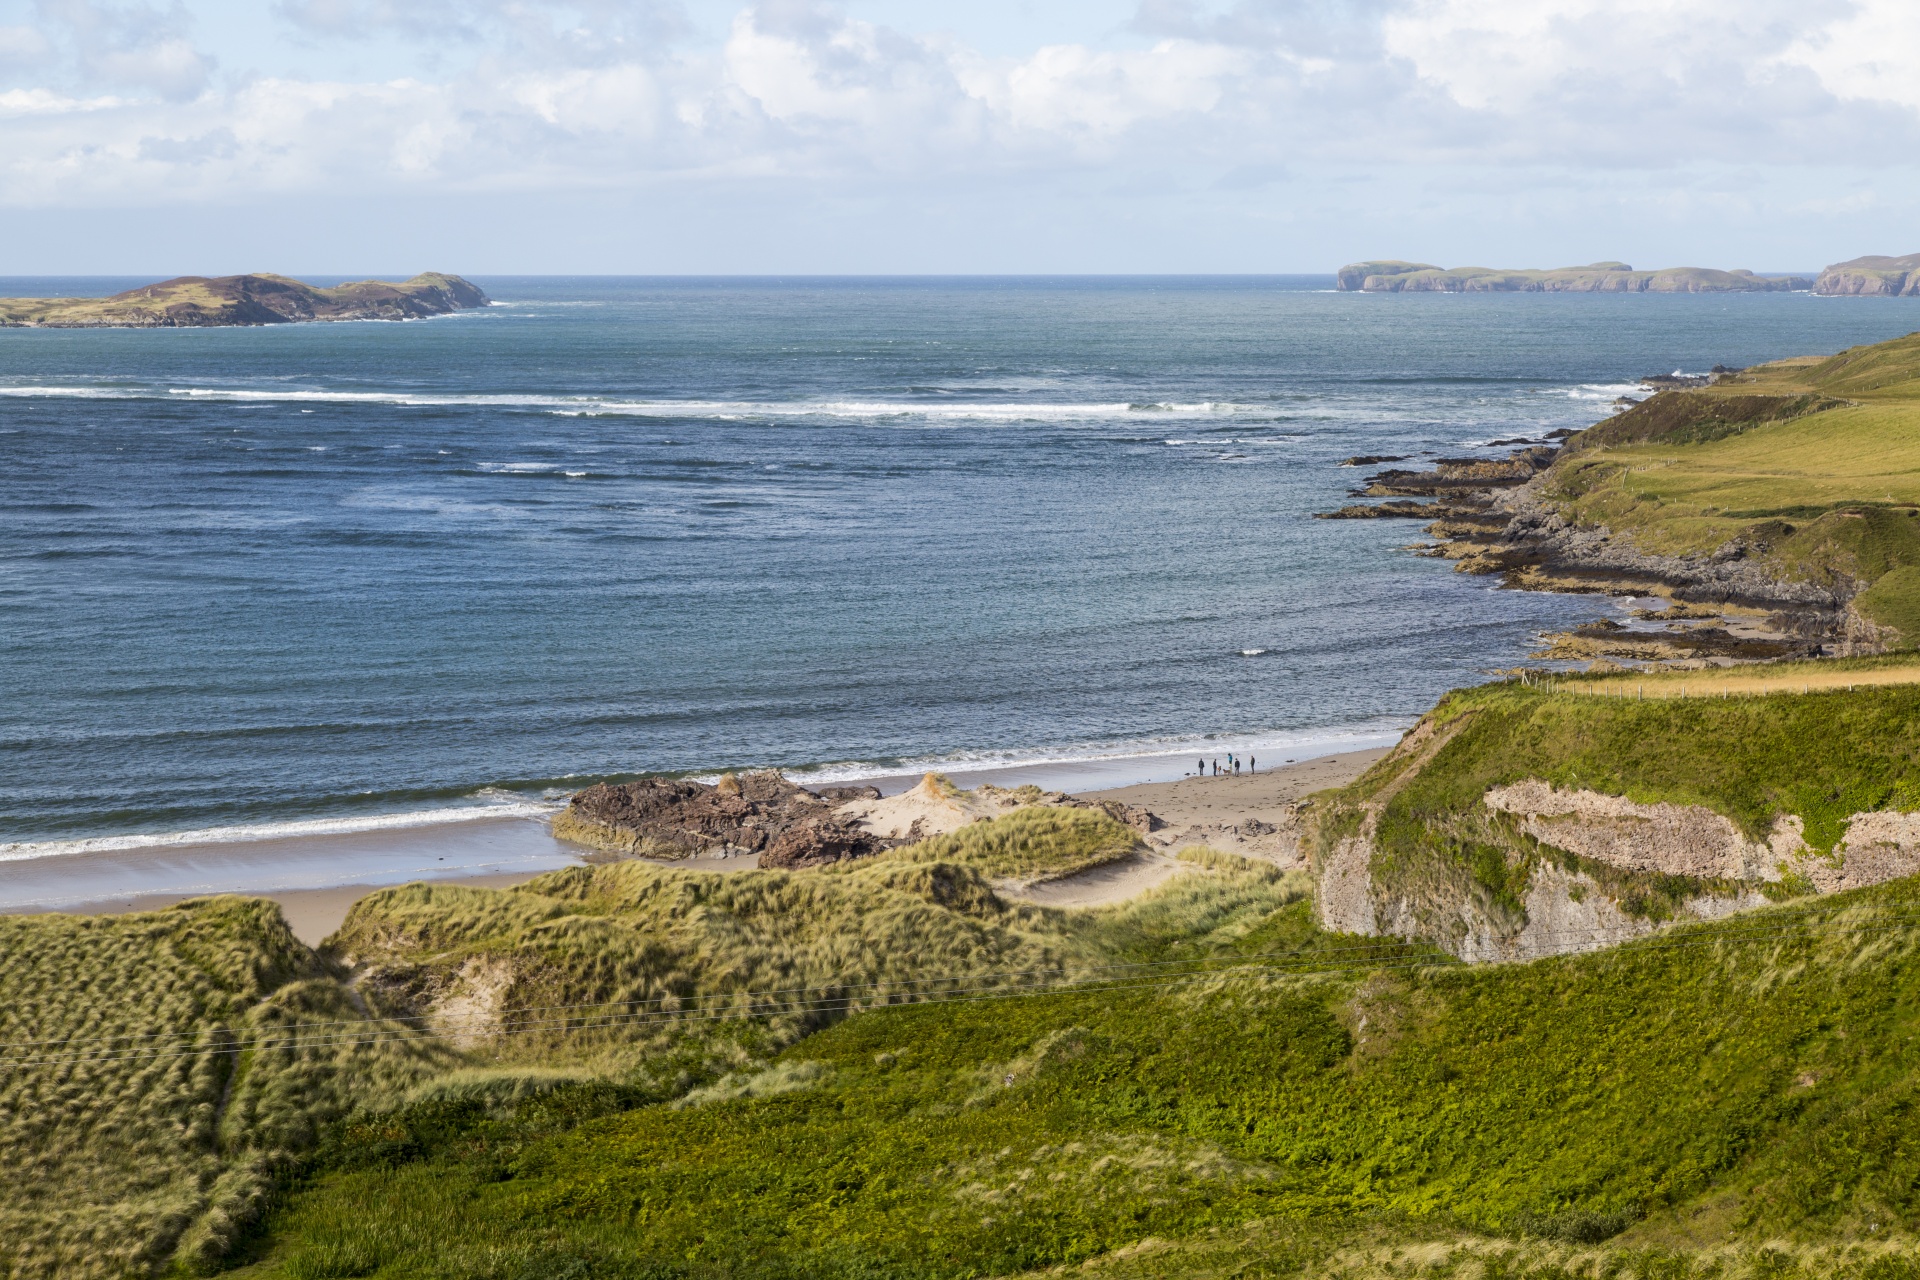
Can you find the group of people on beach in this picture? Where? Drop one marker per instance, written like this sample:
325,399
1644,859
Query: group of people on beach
1233,765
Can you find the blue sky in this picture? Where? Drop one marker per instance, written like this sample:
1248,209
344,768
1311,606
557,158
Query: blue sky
494,136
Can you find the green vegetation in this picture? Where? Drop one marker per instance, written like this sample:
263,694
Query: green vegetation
158,1071
1822,756
1806,466
651,1072
1727,1100
1039,842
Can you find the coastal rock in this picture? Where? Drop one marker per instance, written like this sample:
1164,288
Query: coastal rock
816,842
674,818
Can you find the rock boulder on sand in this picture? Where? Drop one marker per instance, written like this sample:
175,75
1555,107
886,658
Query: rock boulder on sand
788,825
679,818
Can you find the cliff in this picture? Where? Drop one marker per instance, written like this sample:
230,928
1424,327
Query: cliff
1517,821
1874,275
1599,277
202,302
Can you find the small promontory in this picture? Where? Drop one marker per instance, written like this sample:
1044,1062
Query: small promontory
1393,276
198,302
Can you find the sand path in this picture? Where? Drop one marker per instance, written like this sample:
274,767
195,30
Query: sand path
1202,810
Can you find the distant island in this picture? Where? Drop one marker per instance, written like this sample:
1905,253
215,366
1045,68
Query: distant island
1390,276
1873,275
197,302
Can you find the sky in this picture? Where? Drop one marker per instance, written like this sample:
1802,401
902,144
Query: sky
952,136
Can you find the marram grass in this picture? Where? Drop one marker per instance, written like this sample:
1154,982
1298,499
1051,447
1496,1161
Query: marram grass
1726,1100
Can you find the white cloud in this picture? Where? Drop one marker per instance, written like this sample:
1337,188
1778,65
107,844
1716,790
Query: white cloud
1867,55
122,104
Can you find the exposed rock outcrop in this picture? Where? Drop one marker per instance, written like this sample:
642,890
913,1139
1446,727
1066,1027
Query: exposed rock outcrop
786,825
672,818
1574,897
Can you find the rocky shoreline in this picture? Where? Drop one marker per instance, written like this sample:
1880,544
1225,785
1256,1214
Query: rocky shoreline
1490,516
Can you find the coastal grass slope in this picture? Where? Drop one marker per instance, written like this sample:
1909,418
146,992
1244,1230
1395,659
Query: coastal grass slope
1523,819
1796,480
1729,1099
881,1068
157,1074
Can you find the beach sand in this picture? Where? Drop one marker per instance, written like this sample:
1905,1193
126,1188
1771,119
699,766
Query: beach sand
1207,801
301,874
312,914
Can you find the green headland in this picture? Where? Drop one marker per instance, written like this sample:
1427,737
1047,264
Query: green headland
200,302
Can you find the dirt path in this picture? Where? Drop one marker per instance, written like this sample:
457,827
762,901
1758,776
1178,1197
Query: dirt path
1734,682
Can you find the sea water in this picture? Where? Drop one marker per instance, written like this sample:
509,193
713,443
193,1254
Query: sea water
329,576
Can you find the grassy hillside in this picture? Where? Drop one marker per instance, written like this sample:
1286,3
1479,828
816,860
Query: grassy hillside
1751,757
157,1072
1809,466
1222,1089
1726,1100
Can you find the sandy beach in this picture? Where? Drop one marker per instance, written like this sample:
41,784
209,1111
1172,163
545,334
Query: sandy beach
316,879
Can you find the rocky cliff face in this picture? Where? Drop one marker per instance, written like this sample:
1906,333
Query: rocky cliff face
1592,855
1872,276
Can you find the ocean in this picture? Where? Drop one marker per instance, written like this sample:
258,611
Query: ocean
331,577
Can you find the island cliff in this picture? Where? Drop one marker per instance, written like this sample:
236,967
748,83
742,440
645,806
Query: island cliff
203,302
1393,276
1873,275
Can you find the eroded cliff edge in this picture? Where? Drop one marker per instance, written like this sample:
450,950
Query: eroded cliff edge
1515,822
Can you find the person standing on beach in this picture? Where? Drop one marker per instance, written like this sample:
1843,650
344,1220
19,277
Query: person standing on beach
1203,769
1249,764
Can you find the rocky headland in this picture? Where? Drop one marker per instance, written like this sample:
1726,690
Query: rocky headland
1819,555
1872,276
1875,275
199,302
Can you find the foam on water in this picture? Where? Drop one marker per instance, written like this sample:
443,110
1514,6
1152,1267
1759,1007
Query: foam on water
27,849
